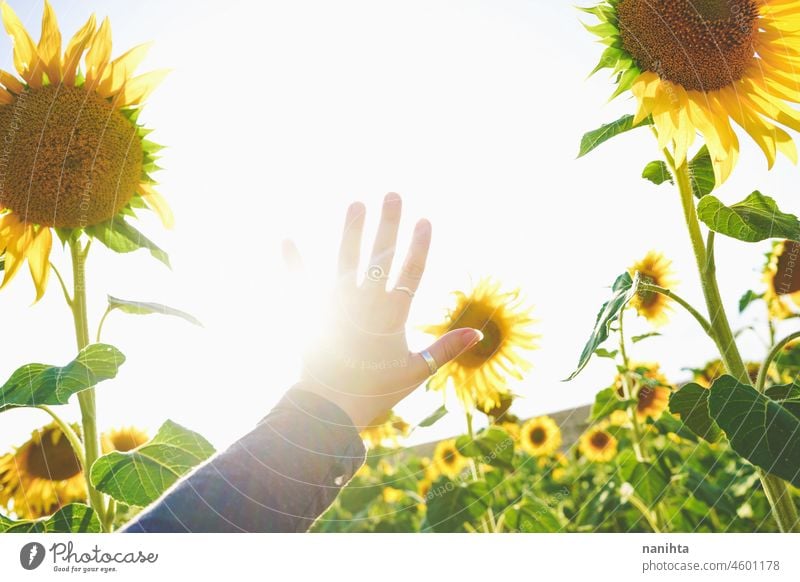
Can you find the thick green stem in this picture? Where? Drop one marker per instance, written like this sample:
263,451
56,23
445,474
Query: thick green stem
777,493
627,392
86,398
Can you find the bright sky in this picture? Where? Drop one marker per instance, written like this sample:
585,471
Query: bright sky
279,113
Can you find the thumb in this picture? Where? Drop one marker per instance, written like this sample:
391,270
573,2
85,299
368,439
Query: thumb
450,346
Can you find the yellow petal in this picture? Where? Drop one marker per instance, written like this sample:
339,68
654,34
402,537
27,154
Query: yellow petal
157,204
50,45
11,82
122,69
137,89
39,259
99,54
26,59
19,238
75,48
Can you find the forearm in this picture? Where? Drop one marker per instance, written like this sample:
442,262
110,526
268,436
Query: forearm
278,478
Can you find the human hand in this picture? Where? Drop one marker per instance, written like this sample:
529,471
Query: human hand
361,360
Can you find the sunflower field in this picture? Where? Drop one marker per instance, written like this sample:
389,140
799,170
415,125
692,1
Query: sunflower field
716,450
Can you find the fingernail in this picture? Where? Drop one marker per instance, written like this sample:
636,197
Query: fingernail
477,336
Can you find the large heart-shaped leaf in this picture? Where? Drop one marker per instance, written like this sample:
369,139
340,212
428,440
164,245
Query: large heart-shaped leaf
690,402
762,430
754,219
492,446
622,291
594,138
38,384
72,518
531,515
140,476
451,503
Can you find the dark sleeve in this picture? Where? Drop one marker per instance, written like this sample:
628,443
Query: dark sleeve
278,478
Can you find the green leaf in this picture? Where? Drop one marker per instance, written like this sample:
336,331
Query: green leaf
637,338
747,298
38,384
72,518
762,430
788,395
531,515
143,308
605,132
604,353
754,219
649,480
120,236
657,172
605,402
690,402
140,476
712,495
492,446
450,504
623,290
433,417
701,173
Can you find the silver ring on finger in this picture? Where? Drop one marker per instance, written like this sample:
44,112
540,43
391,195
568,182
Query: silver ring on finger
432,365
376,274
407,290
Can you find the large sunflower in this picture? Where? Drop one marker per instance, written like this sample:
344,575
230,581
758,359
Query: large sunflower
654,269
651,389
597,444
697,65
480,374
447,460
42,475
782,279
74,158
540,436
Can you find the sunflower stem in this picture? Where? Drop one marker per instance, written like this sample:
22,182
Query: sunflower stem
100,325
627,393
775,489
489,525
67,296
761,380
646,513
86,398
69,433
680,301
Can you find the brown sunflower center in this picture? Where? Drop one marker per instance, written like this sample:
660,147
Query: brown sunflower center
787,277
538,435
701,44
485,319
449,457
52,461
645,397
599,439
68,158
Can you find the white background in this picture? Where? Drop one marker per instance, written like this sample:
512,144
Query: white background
277,114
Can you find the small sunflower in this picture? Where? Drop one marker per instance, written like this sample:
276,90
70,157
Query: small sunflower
391,494
42,475
706,375
782,279
540,436
513,429
619,418
655,269
448,460
651,389
694,66
598,445
480,374
94,167
123,439
385,430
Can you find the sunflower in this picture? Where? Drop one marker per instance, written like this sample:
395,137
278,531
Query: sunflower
391,494
42,475
447,459
650,388
654,269
540,436
123,439
782,279
480,374
597,444
385,429
695,66
619,418
706,375
74,158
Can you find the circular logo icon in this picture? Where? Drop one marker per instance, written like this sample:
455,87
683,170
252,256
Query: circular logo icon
31,555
